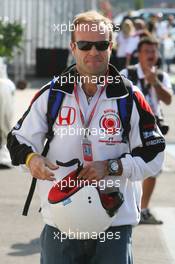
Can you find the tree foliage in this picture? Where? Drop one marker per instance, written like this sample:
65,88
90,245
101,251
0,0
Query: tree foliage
10,37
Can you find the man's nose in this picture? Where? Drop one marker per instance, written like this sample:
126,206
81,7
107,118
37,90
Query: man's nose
93,51
152,53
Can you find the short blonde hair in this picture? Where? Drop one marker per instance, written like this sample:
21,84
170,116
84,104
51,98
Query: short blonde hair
91,16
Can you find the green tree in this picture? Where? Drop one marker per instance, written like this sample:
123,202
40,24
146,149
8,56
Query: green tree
10,38
138,4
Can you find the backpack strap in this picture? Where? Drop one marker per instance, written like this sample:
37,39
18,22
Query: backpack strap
132,74
125,109
55,100
160,75
54,103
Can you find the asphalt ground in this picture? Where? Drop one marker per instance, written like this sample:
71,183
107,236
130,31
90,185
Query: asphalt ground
19,235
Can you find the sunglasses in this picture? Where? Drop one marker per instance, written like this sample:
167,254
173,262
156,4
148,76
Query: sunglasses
87,45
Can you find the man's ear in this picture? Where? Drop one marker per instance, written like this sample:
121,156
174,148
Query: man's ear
73,47
111,45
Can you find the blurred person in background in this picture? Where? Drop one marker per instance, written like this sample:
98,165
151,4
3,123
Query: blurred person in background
7,90
140,27
151,28
157,29
156,87
169,41
170,26
165,30
126,44
140,31
169,51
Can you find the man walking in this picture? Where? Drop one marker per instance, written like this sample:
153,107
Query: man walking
124,153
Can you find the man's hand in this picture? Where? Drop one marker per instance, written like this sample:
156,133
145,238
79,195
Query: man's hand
41,168
96,170
163,93
151,76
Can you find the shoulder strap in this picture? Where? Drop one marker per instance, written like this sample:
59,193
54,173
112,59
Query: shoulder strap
160,75
55,100
132,74
125,109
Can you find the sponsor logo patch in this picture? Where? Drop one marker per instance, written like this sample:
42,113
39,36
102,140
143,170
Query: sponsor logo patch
110,122
66,116
155,142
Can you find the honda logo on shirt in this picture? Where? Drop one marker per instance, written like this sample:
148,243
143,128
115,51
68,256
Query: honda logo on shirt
66,116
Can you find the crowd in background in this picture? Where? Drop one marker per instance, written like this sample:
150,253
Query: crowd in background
143,53
131,30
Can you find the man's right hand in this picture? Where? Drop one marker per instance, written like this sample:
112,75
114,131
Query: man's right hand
41,168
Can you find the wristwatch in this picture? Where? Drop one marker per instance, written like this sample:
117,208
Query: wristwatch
115,167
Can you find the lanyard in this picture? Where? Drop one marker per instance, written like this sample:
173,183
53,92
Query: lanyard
86,125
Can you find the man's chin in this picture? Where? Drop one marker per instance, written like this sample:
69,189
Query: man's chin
95,69
93,65
95,72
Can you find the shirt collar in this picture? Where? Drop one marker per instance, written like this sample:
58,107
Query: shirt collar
114,89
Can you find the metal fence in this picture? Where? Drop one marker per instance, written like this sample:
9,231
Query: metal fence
40,19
